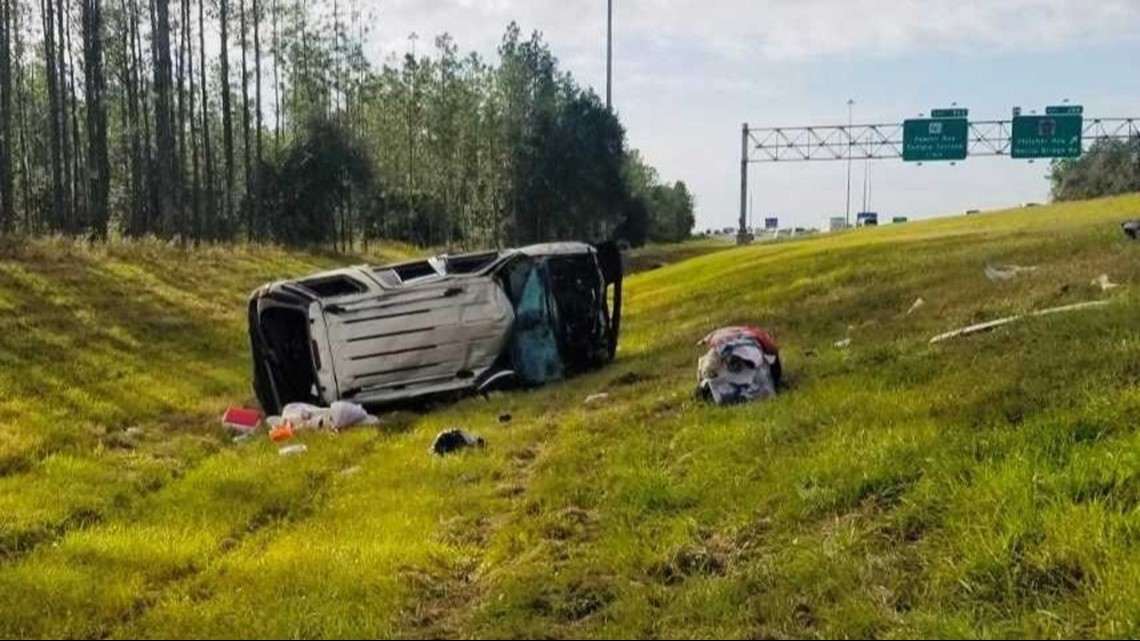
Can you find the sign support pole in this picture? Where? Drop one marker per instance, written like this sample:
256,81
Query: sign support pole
742,234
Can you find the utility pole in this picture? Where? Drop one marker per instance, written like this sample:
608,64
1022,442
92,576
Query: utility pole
742,234
609,54
850,111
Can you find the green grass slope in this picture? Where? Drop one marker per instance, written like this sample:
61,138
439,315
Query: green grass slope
654,256
986,486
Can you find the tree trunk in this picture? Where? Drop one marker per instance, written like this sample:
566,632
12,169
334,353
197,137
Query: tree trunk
47,8
147,193
304,77
64,139
98,162
21,100
245,126
196,187
131,143
78,166
227,113
7,199
125,123
164,133
207,143
180,226
276,81
257,213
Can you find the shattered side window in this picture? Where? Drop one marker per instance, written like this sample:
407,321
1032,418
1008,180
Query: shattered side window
332,286
387,277
534,341
412,271
513,275
468,263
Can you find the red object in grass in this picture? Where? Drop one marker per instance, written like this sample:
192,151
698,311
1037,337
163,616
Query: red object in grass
241,419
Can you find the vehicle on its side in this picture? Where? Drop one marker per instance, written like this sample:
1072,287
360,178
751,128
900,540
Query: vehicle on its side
378,335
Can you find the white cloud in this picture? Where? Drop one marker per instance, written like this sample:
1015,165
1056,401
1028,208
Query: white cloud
778,29
689,71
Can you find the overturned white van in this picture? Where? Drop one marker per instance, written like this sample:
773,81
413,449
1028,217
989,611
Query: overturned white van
452,323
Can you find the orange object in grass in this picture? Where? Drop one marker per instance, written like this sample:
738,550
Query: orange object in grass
282,432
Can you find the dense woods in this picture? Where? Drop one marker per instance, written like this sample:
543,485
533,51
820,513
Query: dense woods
263,120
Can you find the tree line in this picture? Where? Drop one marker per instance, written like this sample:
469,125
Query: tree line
264,120
1107,168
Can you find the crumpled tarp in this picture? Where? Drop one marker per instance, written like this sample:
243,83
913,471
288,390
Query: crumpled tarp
338,416
742,364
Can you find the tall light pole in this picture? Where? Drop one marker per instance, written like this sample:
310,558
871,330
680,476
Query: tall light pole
609,54
850,122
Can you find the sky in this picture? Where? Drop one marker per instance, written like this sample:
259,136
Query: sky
688,73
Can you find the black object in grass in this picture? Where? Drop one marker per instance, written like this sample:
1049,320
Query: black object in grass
1131,228
450,441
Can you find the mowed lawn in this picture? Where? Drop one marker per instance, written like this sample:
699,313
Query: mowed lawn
985,486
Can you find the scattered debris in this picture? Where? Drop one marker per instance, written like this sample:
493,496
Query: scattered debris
242,420
742,364
1131,228
338,416
918,303
450,441
505,418
1103,282
595,399
843,344
134,432
242,438
119,440
1002,273
352,471
282,432
293,450
982,327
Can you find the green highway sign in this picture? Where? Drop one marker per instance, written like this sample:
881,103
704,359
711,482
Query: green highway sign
949,113
929,139
1064,110
1049,136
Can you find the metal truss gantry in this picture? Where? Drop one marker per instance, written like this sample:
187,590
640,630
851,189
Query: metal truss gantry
882,142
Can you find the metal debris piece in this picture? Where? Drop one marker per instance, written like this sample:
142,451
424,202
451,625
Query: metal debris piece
982,327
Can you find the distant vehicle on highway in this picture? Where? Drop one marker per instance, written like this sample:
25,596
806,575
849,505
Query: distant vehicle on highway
899,219
970,212
1029,204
